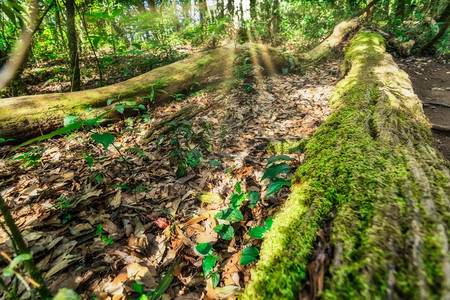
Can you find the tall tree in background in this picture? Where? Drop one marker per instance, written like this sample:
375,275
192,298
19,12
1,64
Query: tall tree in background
73,46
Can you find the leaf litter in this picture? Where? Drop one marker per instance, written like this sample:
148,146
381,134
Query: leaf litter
114,228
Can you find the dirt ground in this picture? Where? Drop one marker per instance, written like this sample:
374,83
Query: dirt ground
431,82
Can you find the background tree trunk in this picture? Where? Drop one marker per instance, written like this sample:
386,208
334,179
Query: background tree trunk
73,46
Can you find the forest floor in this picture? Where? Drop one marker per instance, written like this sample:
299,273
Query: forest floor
431,82
149,218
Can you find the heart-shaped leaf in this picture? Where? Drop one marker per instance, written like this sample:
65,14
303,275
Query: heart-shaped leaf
225,231
105,139
257,232
230,214
273,159
208,264
249,255
276,184
215,278
203,248
254,198
236,200
274,170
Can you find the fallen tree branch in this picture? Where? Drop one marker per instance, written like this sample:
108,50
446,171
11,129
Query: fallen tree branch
435,104
440,127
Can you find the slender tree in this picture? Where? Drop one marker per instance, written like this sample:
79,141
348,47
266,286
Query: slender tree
73,46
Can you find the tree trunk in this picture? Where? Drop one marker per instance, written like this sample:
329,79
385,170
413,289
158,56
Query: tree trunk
368,215
428,46
75,75
340,32
39,114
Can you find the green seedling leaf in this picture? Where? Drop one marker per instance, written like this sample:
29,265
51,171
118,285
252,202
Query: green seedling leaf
276,184
215,163
99,229
105,139
165,283
257,232
203,248
225,231
215,278
90,161
236,200
230,214
138,288
123,187
268,223
254,198
70,119
9,270
208,264
276,158
107,240
249,255
274,170
237,186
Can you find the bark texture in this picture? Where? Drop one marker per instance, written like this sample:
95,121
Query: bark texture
369,212
340,32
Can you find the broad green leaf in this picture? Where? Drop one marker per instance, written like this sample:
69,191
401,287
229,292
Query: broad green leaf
203,248
276,184
249,255
268,223
66,294
105,139
208,264
276,158
70,119
254,198
274,170
165,283
257,232
215,278
225,231
230,214
9,270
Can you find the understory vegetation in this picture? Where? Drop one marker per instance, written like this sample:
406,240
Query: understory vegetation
213,149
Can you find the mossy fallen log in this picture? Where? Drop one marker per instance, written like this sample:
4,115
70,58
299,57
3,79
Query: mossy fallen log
373,192
22,118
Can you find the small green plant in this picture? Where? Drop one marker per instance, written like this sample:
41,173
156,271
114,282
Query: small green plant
187,145
160,289
154,90
260,231
63,205
30,158
103,237
272,172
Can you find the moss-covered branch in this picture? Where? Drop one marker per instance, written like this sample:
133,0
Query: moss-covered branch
373,178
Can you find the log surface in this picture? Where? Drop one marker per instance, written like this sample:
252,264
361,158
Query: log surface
369,212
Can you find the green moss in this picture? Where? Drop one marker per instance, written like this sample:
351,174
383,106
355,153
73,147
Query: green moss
286,147
367,170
